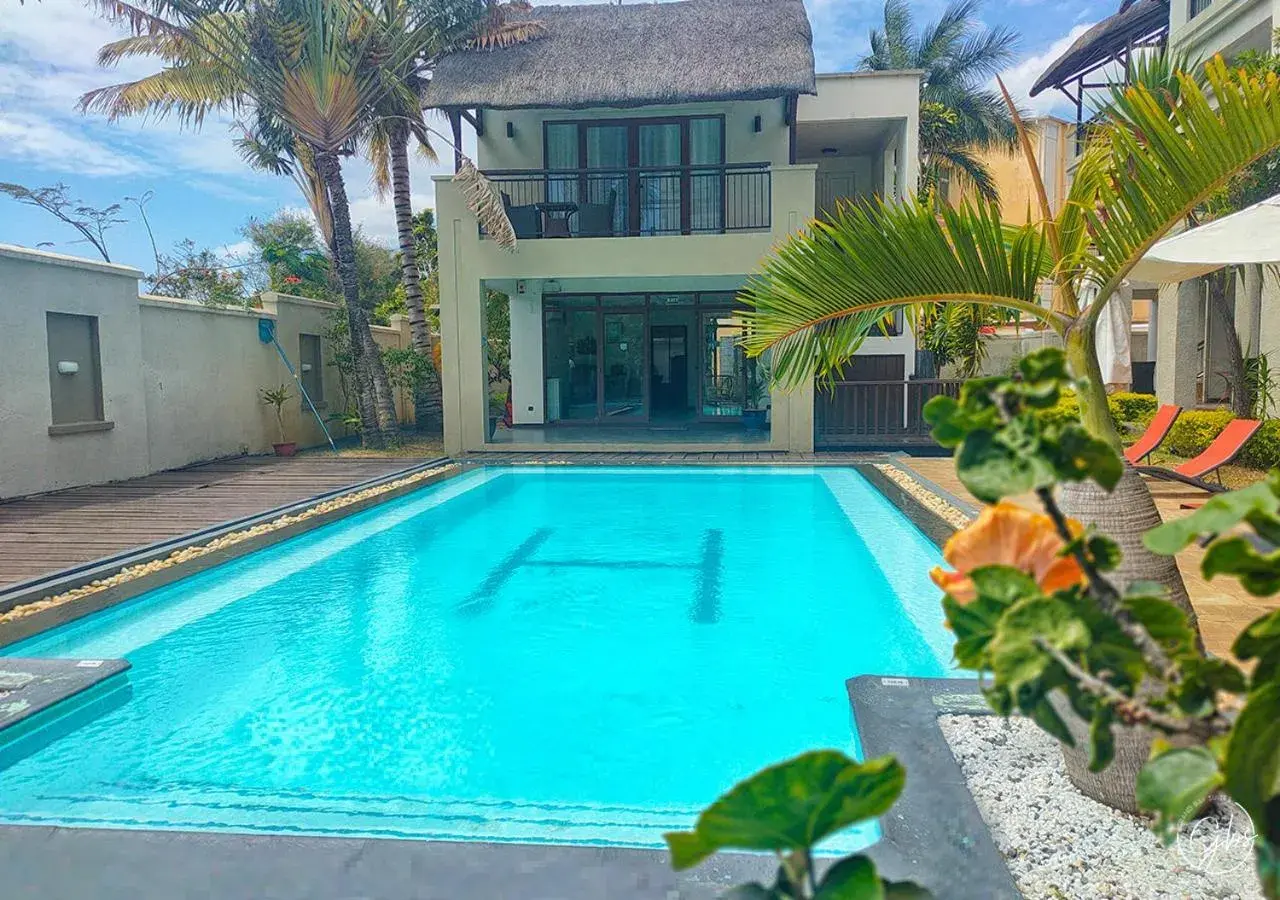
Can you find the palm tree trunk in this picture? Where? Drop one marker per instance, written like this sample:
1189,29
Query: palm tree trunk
1241,396
1125,514
373,391
427,401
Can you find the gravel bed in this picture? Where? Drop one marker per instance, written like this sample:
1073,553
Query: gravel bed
1060,844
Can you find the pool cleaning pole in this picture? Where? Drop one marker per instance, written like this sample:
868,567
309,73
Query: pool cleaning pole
267,334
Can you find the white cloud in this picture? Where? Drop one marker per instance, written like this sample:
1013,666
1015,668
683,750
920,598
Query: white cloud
45,142
1022,76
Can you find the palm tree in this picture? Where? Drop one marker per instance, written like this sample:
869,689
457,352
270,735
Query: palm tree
314,69
1160,148
494,24
1155,154
958,114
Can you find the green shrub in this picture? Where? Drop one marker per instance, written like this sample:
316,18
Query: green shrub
1138,409
1263,449
1067,409
1195,430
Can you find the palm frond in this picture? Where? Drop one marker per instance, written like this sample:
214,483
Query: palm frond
819,293
1154,162
482,199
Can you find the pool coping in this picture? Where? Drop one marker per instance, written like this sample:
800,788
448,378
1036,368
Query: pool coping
180,557
934,836
51,682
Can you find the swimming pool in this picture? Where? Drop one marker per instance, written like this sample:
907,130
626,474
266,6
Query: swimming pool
568,655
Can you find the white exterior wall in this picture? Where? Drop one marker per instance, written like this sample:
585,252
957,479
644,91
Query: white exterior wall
1226,27
180,380
528,399
31,284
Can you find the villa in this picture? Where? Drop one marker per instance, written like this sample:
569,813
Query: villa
643,194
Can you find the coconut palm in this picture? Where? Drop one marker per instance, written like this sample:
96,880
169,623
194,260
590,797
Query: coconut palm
492,24
959,114
315,69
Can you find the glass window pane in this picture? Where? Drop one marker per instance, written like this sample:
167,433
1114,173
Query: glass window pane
706,141
724,369
562,146
622,300
624,364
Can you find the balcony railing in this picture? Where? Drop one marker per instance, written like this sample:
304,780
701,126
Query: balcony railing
637,202
1199,6
877,413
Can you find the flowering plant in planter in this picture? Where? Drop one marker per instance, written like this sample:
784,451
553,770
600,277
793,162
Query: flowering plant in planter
1034,605
277,398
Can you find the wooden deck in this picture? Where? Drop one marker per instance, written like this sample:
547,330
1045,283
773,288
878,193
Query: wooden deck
50,532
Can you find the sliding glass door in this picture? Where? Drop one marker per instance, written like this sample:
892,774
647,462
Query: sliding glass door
661,175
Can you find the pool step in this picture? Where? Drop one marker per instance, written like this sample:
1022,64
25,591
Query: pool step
216,808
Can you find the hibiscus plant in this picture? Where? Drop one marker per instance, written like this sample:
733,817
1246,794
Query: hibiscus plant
1034,609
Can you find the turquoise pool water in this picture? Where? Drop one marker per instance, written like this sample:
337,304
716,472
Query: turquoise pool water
542,655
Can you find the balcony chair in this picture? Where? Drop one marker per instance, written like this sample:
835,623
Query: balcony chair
525,220
596,219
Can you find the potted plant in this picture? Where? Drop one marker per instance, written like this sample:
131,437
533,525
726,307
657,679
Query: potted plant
756,414
277,398
497,412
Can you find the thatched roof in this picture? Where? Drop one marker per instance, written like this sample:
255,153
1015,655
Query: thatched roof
1136,20
638,54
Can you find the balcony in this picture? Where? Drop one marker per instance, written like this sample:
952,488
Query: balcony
642,202
1197,7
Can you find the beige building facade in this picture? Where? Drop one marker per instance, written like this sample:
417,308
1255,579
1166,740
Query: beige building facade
641,208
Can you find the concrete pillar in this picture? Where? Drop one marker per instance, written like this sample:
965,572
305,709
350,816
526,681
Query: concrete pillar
1179,335
528,396
1249,308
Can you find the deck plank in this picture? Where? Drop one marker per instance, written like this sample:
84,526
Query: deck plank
50,532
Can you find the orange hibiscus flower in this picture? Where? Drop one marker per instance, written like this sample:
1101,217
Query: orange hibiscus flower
1007,535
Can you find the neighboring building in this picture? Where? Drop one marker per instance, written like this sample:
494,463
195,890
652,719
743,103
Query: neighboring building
650,155
1205,28
1053,141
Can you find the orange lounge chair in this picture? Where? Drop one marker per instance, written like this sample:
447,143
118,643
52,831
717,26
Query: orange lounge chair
1155,434
1225,447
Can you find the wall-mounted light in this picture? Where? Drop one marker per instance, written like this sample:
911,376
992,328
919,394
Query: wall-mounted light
306,367
551,287
67,367
511,129
758,124
830,151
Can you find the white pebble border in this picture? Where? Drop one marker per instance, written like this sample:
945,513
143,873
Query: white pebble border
1061,845
952,515
177,557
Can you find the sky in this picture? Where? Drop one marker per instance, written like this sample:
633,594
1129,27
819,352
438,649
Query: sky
200,188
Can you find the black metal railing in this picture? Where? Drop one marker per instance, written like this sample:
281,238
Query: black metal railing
637,202
1199,6
877,413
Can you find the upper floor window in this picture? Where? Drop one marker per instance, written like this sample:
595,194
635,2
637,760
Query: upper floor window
1199,6
644,175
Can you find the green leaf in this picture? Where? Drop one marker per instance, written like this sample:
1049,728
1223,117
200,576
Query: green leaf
1003,584
791,806
1104,552
852,878
1259,573
1102,743
1077,455
1047,718
1047,364
905,890
991,470
1219,514
1165,622
1016,657
1268,667
1202,679
1259,637
1253,755
1176,784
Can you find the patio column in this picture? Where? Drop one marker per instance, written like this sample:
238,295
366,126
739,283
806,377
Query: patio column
1180,330
1249,308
